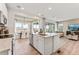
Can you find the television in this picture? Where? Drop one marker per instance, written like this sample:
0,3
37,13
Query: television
73,27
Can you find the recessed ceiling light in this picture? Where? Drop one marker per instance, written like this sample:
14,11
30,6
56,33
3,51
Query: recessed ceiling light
39,14
22,8
50,8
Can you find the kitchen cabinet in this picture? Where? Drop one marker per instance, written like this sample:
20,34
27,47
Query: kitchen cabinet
5,46
38,43
56,43
35,41
46,45
6,52
41,44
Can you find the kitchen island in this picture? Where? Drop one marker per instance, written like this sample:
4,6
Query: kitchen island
46,44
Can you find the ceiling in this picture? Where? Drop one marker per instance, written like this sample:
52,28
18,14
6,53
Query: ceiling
59,11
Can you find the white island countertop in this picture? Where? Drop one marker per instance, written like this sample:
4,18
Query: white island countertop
47,34
5,44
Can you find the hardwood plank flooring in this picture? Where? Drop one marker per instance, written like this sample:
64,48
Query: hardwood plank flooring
70,48
22,47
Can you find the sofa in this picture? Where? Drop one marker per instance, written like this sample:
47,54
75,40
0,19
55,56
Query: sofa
72,35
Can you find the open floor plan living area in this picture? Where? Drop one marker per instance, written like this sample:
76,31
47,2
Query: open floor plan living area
39,28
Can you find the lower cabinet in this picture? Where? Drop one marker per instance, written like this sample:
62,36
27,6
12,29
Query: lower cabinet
35,41
38,43
56,43
42,44
46,45
6,52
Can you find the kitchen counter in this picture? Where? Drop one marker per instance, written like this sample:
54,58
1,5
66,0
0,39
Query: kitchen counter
46,34
46,44
6,35
5,45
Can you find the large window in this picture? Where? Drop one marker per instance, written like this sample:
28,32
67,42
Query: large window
20,25
25,26
73,27
50,28
60,27
35,26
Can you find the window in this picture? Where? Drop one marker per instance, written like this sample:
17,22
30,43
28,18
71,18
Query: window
60,27
25,26
36,26
50,28
73,27
20,25
47,26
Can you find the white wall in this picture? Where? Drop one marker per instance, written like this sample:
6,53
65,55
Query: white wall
11,20
3,8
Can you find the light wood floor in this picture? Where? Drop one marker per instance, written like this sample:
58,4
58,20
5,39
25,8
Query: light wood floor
22,47
70,48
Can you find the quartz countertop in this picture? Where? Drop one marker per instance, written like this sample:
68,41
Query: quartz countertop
46,34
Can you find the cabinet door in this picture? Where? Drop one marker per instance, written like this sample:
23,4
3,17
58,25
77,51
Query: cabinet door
35,41
41,45
48,45
56,43
6,52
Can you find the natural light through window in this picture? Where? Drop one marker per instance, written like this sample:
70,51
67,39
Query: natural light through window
21,25
25,26
18,25
36,26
